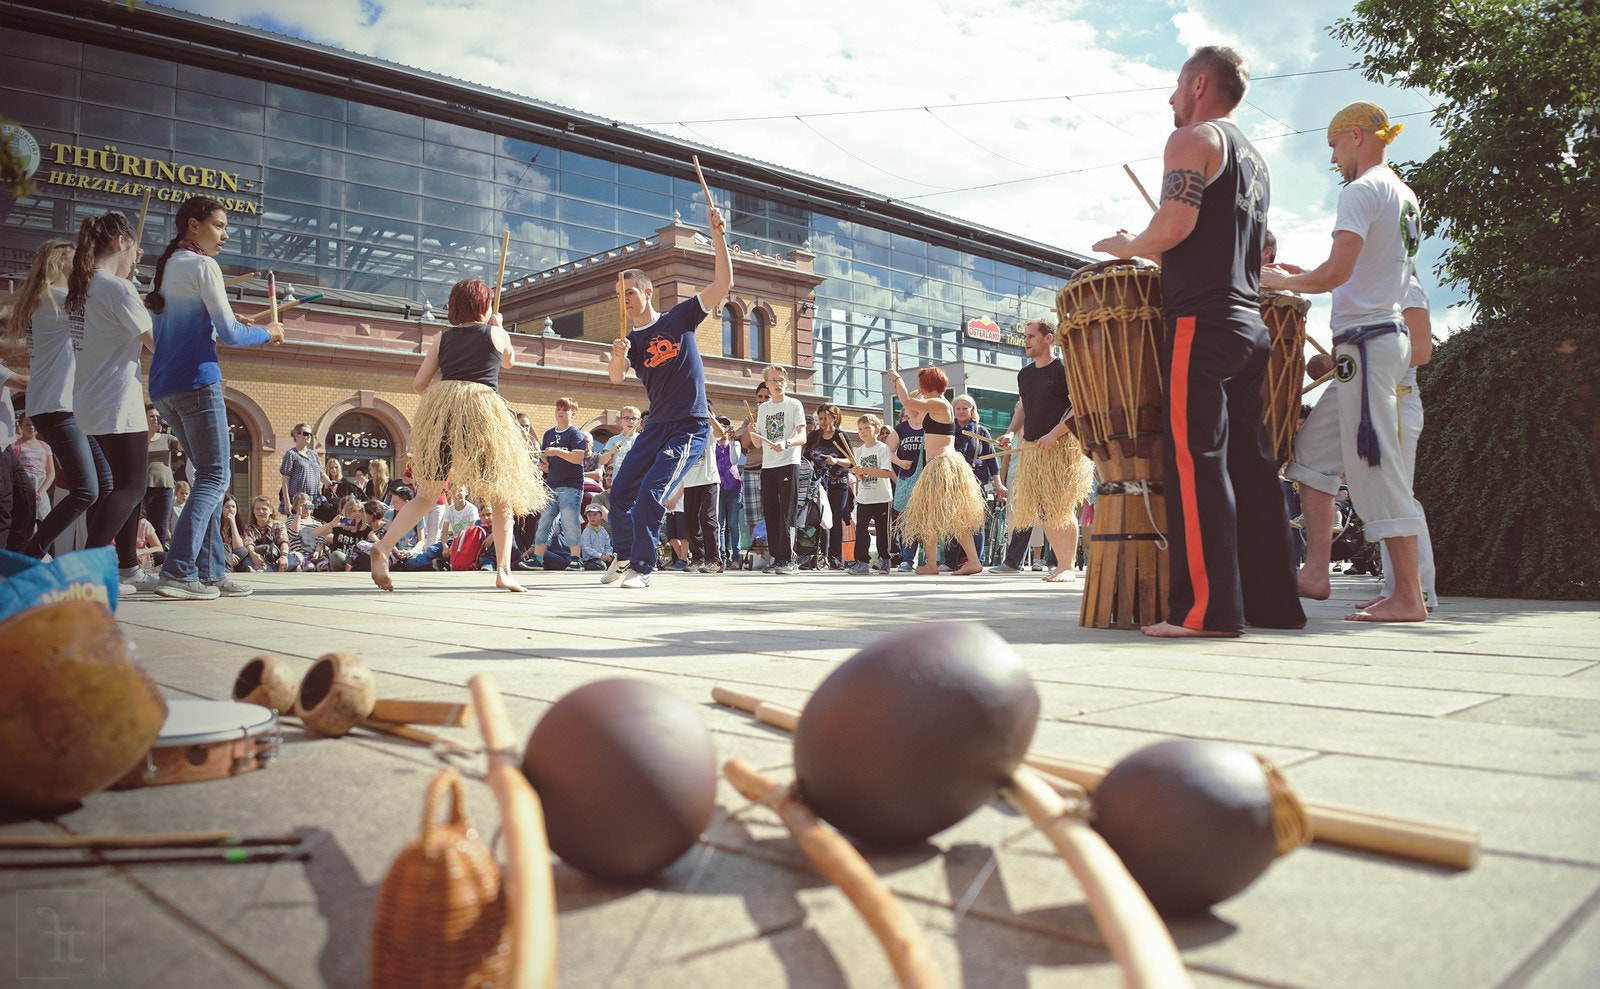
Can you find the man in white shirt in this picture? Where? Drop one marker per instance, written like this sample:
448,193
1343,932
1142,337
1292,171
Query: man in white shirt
780,425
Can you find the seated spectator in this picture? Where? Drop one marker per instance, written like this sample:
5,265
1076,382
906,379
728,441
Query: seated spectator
233,541
595,540
372,530
267,540
298,526
180,498
459,514
147,544
342,534
400,495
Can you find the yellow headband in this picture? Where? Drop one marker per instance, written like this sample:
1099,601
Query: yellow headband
1365,116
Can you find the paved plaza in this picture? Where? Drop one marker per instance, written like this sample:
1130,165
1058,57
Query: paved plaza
1488,716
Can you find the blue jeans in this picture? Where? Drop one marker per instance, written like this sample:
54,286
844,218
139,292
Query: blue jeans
567,503
200,422
730,516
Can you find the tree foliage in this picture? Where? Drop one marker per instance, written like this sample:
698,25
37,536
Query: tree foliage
1514,185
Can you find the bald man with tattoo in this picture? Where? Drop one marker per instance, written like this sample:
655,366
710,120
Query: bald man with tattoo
1232,562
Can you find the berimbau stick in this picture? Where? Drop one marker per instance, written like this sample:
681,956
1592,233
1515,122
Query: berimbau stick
239,279
500,276
622,305
144,210
272,295
977,436
702,177
1140,186
276,309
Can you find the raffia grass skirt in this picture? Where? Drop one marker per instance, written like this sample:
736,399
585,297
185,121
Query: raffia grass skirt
472,426
946,504
1049,485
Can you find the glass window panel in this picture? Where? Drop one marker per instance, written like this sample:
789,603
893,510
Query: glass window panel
457,188
654,204
221,84
868,251
124,125
871,235
758,337
388,174
730,329
454,214
588,214
907,244
26,44
524,203
126,93
382,145
583,242
594,167
654,181
60,81
584,187
458,135
218,112
514,157
304,127
36,111
126,65
287,185
912,263
638,226
229,146
382,118
304,158
946,255
464,160
304,101
370,199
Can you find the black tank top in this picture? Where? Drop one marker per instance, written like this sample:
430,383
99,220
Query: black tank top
467,353
934,427
1217,268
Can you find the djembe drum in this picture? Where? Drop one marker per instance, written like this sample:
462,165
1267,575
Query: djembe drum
1113,345
1285,316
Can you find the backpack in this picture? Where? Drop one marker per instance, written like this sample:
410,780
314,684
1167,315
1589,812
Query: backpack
464,551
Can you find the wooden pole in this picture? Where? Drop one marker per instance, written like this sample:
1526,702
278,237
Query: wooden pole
702,177
144,210
500,276
272,294
1140,186
622,305
239,279
275,310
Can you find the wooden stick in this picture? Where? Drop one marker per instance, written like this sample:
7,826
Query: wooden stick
1007,453
1419,841
529,884
754,432
1317,383
702,177
622,306
239,279
272,295
843,866
1134,934
214,856
500,276
162,839
450,714
1140,185
1313,341
277,309
419,736
144,210
780,716
978,436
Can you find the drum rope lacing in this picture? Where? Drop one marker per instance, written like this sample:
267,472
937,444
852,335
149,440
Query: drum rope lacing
1144,489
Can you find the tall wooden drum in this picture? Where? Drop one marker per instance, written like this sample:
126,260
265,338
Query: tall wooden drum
1113,345
1285,316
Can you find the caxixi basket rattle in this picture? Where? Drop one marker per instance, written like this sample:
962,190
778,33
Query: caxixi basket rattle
441,919
1113,345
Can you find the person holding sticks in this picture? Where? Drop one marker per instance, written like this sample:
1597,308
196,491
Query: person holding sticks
1208,233
665,356
1053,476
781,425
947,502
465,432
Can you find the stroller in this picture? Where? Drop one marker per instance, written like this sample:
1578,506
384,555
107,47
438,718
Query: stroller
1350,544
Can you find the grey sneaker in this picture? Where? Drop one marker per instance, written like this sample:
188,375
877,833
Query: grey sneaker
859,570
616,571
139,580
786,569
1004,568
228,589
187,590
636,579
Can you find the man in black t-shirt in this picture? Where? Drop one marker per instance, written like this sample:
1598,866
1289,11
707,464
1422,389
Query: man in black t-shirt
1209,233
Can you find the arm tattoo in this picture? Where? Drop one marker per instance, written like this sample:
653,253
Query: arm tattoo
1185,185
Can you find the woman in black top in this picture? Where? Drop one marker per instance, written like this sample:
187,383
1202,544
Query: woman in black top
465,432
828,449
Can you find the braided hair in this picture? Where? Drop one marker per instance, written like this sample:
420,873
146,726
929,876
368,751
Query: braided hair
97,237
194,209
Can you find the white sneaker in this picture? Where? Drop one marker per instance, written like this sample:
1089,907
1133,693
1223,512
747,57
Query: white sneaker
618,568
636,579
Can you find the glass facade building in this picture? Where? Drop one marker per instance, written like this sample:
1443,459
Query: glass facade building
346,173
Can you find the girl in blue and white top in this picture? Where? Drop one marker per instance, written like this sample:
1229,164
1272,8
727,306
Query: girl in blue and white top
40,306
111,327
191,314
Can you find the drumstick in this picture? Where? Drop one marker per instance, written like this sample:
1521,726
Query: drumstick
1317,383
702,177
1007,453
448,714
220,856
272,296
842,865
1134,934
276,309
500,276
1313,341
239,279
419,736
751,413
622,305
157,839
1140,185
1334,824
144,210
529,884
977,436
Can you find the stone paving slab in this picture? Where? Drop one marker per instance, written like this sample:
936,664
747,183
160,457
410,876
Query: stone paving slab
1484,717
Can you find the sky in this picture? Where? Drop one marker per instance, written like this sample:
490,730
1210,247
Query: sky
1016,115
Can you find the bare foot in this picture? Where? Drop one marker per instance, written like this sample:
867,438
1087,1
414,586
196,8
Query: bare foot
1366,605
504,581
1060,575
1167,630
1313,585
931,570
1389,611
967,569
380,572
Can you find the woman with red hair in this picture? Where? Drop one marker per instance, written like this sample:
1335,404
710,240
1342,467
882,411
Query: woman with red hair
947,502
465,431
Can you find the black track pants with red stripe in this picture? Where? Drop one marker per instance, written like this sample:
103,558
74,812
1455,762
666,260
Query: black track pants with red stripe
1232,559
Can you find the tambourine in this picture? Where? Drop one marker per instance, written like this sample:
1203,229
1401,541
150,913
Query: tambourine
206,740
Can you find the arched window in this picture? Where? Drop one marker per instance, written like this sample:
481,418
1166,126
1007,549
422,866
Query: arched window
730,331
756,348
240,461
358,438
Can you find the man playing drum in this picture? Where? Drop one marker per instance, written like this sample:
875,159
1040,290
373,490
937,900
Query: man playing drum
1208,233
1376,233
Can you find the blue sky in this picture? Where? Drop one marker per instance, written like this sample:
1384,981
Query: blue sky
974,119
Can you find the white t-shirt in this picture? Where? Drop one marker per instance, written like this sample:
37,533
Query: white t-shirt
52,356
704,470
1382,211
777,421
873,490
107,397
1416,298
456,522
8,414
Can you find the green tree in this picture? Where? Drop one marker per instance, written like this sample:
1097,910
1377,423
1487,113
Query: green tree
1514,184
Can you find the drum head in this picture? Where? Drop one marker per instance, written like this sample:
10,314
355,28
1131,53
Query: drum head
1090,270
198,722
